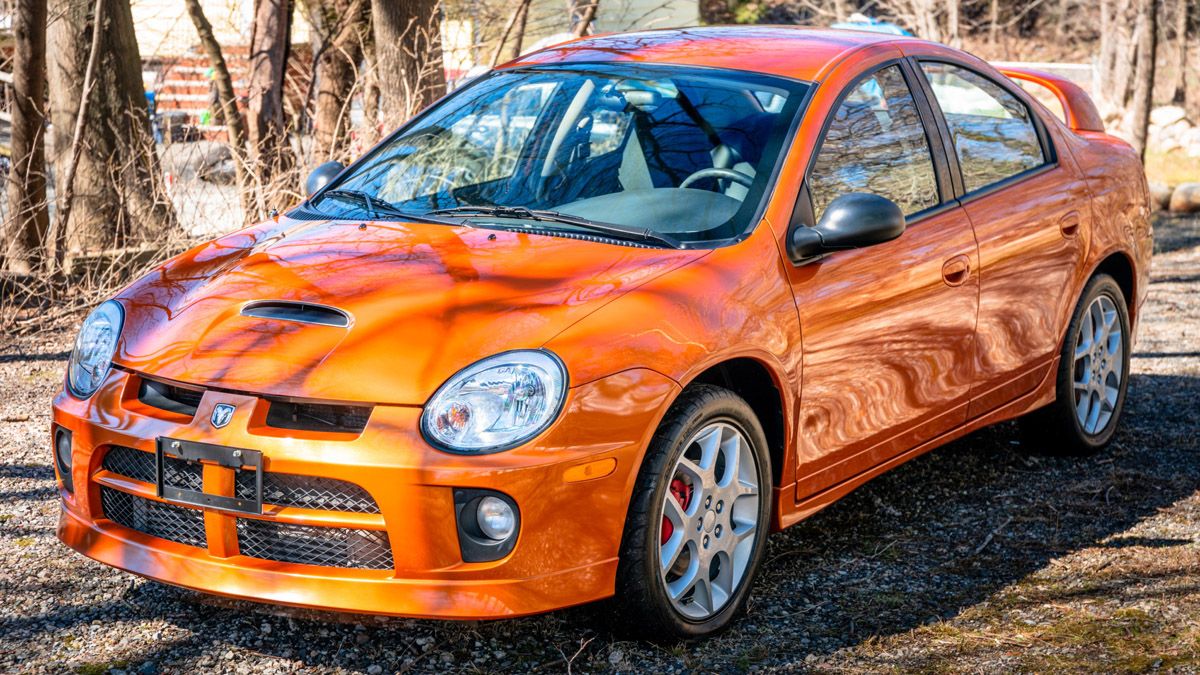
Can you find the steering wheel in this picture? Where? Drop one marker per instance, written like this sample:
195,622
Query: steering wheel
717,172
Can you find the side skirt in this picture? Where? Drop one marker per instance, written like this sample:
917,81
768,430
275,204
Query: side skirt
1041,395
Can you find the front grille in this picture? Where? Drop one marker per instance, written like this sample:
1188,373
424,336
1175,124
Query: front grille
346,419
170,397
280,489
307,492
306,545
173,523
139,465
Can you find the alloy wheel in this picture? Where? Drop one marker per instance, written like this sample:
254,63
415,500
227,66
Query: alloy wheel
1099,365
709,519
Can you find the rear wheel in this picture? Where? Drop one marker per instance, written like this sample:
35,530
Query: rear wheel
1093,375
698,519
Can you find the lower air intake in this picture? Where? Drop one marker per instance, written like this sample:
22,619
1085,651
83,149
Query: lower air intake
155,519
322,546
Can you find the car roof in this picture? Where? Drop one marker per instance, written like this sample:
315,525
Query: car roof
791,51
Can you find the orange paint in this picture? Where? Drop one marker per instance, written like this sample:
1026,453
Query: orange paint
873,355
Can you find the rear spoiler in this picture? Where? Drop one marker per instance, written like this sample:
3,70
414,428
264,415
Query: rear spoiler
1078,107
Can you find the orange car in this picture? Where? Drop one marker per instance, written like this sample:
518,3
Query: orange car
595,323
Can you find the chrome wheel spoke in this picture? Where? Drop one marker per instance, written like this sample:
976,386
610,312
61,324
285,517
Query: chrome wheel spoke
1098,365
712,536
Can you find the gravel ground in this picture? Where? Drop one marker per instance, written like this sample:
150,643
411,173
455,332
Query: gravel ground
979,556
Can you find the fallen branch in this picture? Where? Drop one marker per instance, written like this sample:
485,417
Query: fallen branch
991,535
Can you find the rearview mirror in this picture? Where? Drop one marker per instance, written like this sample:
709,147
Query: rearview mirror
853,220
321,176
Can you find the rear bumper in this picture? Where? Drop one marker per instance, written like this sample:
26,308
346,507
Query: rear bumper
572,518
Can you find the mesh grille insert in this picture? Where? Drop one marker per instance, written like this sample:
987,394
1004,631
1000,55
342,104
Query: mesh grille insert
306,545
307,492
173,523
139,465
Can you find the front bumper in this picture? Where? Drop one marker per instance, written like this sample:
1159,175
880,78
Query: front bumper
572,508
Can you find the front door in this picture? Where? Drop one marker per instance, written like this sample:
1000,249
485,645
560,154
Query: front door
888,330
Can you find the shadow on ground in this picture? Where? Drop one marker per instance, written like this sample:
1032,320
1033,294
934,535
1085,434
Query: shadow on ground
937,535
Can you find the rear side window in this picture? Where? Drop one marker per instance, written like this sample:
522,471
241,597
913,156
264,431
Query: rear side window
876,143
993,131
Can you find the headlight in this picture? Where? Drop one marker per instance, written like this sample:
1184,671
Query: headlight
92,356
496,404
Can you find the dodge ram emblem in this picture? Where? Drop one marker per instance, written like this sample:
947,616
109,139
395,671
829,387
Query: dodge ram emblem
221,414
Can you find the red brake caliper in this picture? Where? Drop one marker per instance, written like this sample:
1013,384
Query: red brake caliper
682,492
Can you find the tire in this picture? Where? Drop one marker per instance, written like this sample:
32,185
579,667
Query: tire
1071,426
688,461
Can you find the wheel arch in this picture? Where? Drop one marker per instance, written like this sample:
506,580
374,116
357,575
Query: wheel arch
1119,266
758,385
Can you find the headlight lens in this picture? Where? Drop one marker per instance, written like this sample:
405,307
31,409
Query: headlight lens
94,347
496,404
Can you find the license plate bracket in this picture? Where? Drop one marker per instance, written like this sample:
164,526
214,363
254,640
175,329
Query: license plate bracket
238,459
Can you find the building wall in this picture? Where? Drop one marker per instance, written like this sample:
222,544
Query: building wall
164,29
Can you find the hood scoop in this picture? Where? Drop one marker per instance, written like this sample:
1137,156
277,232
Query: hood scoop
300,312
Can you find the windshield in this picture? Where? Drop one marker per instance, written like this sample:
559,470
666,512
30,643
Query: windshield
684,154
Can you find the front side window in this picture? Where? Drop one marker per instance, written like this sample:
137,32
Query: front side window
993,131
684,152
876,143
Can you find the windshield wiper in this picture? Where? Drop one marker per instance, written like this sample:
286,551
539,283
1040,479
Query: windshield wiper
374,205
521,212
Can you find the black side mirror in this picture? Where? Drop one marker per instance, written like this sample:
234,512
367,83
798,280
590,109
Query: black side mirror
321,176
853,220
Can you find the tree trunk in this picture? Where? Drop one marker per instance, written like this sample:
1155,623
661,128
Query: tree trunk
993,22
24,231
408,53
1182,14
582,16
1143,93
269,150
227,97
337,74
517,17
953,38
371,93
519,31
119,196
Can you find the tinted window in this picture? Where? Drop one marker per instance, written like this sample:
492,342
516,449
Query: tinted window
876,143
993,131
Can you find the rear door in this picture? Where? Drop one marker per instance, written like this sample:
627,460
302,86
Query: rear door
887,330
1028,209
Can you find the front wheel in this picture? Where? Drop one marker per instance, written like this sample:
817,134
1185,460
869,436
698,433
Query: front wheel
1093,375
698,519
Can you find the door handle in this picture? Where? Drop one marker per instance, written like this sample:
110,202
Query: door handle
1069,224
956,270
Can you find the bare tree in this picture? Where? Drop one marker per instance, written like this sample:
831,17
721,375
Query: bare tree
118,197
516,22
346,23
408,57
24,231
717,11
1143,92
270,43
228,100
583,13
1182,22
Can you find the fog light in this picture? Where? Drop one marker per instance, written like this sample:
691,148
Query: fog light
496,518
489,524
62,457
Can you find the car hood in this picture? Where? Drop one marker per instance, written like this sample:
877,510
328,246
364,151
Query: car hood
423,301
